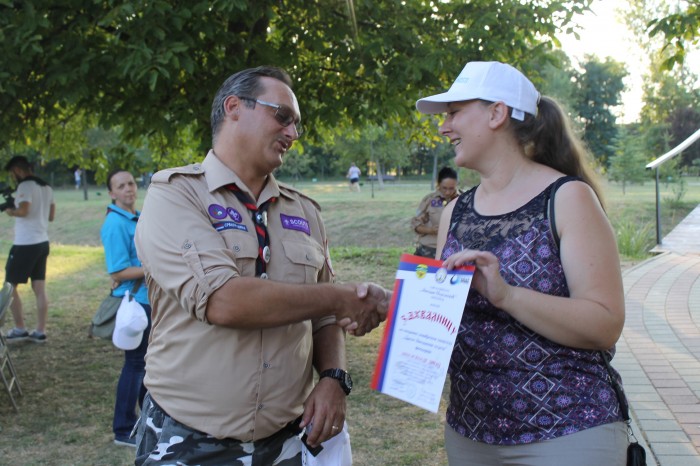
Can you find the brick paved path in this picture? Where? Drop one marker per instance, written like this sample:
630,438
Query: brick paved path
659,356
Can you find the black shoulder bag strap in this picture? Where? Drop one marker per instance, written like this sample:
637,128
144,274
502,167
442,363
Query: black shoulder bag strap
636,455
550,204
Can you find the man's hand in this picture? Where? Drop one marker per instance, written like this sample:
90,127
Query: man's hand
369,312
324,411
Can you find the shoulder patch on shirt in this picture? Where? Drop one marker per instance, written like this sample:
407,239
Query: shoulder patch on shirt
290,191
164,176
290,222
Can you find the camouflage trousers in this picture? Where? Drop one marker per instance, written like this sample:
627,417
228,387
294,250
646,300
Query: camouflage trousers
161,440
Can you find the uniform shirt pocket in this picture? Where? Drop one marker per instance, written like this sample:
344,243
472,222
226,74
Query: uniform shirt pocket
245,251
305,259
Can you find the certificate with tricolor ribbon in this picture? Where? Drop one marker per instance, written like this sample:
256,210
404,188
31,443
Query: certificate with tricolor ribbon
420,330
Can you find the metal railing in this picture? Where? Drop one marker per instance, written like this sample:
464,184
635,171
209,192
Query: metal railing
660,161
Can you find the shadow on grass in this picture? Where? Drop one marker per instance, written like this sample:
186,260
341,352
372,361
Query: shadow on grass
65,414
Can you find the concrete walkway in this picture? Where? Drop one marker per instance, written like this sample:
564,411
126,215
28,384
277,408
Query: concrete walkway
659,351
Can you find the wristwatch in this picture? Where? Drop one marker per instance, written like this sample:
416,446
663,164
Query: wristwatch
341,376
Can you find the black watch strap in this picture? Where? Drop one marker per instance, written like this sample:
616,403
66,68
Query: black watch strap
341,376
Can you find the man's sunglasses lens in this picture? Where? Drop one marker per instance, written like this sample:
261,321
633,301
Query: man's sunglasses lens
284,115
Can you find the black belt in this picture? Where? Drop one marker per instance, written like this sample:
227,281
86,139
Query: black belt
292,427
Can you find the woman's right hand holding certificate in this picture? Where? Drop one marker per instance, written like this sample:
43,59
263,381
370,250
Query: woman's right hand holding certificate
487,278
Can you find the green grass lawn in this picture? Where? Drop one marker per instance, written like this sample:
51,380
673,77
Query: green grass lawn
66,412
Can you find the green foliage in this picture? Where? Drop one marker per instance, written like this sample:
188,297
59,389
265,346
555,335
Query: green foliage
679,30
671,93
678,190
633,240
666,91
558,81
296,165
151,68
670,113
628,164
600,88
422,158
683,123
375,149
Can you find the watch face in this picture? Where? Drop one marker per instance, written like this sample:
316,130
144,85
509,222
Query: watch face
341,376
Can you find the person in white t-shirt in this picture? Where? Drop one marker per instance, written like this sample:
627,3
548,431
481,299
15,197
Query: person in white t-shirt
354,177
34,209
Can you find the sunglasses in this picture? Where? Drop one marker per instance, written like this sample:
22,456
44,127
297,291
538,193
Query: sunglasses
284,115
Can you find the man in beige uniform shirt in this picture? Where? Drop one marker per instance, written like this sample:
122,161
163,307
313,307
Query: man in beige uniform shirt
236,265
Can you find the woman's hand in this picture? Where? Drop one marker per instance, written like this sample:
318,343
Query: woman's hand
487,278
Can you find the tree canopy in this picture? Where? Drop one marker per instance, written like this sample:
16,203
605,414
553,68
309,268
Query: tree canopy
148,69
680,30
599,90
671,95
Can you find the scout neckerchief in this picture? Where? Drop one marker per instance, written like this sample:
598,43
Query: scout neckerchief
259,215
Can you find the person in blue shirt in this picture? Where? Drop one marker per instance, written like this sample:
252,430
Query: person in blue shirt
124,267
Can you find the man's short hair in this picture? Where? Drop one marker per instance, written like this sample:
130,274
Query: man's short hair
19,161
245,83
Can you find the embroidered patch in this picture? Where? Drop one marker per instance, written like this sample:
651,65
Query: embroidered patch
234,214
217,211
436,203
295,223
220,226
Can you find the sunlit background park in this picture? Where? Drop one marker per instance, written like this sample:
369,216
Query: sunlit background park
97,85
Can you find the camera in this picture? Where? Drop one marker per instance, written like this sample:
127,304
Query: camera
9,200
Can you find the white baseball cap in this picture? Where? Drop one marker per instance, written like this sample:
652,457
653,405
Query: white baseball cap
487,80
130,323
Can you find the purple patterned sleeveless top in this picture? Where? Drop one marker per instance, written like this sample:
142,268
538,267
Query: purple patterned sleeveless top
510,385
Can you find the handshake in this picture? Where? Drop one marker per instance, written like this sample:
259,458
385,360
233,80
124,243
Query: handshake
367,309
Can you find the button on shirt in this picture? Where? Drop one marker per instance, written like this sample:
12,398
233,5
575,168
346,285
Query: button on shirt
193,236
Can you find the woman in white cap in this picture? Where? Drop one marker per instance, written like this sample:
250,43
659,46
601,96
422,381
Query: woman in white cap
529,385
124,267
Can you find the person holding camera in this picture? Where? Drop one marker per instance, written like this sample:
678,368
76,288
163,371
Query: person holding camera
33,209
